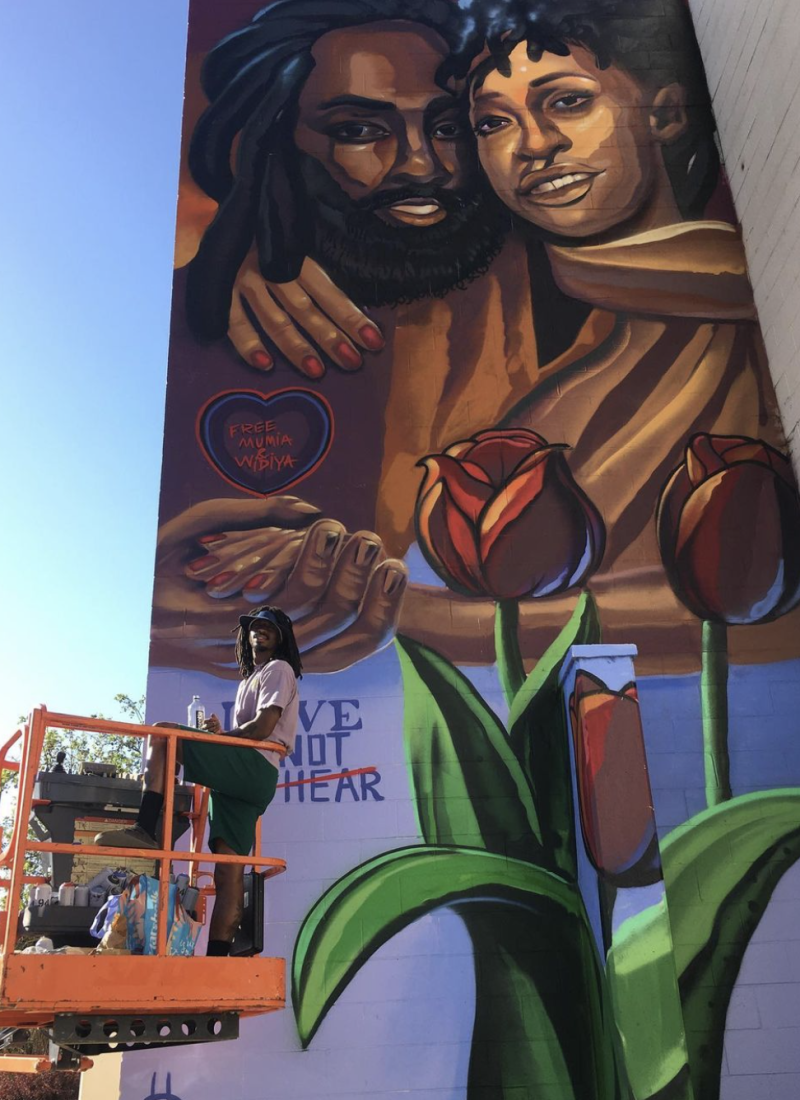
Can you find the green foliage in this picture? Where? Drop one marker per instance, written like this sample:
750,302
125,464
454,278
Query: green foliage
132,709
538,690
540,1015
539,737
738,851
373,902
643,989
496,815
469,789
540,1026
531,939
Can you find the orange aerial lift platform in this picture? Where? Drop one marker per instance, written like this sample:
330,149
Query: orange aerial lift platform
90,1004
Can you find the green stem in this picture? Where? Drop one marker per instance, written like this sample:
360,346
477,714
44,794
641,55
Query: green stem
714,704
539,1023
506,647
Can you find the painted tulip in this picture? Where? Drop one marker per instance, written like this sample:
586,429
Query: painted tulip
500,515
728,527
616,810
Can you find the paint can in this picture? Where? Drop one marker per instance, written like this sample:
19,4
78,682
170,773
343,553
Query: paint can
81,895
97,895
42,894
66,893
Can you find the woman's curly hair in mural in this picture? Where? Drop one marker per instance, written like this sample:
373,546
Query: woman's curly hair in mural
653,40
286,650
253,80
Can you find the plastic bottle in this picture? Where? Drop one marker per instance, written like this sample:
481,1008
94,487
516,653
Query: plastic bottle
197,713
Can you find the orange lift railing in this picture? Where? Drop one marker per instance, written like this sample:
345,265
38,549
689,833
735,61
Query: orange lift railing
93,1003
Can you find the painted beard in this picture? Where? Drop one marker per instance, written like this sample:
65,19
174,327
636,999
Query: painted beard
377,264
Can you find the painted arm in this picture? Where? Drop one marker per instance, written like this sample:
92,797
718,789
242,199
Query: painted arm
301,319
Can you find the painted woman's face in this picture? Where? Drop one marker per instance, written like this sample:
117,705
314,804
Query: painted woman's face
574,149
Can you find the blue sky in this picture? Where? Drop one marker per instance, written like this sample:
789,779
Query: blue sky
92,95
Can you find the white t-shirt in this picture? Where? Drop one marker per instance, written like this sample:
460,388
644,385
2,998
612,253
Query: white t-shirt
271,685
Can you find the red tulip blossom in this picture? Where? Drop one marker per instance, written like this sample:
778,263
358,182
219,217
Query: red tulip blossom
729,530
616,810
500,515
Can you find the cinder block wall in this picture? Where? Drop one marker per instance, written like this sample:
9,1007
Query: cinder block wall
750,49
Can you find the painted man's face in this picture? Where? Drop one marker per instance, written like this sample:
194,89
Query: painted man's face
372,114
575,149
389,163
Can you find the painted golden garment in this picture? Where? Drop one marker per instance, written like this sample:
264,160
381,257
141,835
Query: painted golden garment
671,348
457,365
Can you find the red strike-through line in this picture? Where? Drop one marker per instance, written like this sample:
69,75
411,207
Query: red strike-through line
328,778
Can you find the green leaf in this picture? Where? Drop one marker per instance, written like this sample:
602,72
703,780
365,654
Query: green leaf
539,737
469,788
582,628
643,989
373,902
720,869
517,1044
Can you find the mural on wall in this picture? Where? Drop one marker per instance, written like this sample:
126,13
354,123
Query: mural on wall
464,372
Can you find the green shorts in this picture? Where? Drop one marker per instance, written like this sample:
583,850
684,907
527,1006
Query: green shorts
242,784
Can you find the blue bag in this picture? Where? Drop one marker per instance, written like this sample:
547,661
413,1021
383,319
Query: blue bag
102,922
140,909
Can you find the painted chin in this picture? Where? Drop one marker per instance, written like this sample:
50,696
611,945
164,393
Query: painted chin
416,212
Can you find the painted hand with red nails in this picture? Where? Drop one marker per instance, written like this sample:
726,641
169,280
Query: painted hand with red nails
340,589
301,319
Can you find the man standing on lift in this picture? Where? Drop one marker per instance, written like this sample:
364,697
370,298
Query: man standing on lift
242,780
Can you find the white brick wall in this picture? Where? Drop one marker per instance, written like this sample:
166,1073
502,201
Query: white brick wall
751,50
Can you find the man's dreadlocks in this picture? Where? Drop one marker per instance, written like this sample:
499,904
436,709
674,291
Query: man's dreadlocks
287,647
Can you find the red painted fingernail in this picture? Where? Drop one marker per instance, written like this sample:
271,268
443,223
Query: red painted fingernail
371,337
220,579
256,581
206,540
202,563
261,360
313,367
348,355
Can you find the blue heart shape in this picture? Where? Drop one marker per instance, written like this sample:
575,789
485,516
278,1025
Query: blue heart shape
265,442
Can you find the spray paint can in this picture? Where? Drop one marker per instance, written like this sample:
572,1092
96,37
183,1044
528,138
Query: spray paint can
66,893
42,895
81,895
